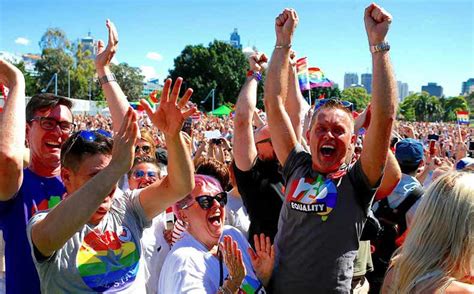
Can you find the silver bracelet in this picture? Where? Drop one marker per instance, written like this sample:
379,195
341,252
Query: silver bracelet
283,46
107,79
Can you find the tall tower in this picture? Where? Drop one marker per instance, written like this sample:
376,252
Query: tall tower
235,40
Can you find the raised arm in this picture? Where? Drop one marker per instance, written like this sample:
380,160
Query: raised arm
295,105
276,87
384,97
116,99
169,118
63,221
12,131
245,151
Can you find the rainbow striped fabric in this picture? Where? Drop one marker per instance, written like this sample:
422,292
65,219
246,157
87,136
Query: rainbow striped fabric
463,117
302,72
317,78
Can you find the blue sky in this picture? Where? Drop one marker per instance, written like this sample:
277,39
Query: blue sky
432,41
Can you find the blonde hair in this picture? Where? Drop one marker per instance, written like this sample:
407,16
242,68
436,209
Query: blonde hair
440,243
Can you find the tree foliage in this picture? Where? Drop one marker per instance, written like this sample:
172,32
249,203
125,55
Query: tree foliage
218,66
54,38
423,107
130,80
358,96
31,84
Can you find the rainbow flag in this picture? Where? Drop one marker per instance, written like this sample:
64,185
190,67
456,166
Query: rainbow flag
317,78
463,117
302,72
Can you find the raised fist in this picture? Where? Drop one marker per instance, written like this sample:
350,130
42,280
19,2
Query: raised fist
258,61
285,25
377,21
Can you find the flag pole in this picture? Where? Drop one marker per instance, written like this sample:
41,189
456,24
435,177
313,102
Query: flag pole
309,97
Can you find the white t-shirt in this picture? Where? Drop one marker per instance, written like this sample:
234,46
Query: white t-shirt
154,251
236,214
191,268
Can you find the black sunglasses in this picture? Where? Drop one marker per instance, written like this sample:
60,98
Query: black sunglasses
145,148
49,123
206,201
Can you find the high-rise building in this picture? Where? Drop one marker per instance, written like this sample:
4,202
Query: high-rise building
235,39
466,86
350,79
88,43
366,81
434,89
402,90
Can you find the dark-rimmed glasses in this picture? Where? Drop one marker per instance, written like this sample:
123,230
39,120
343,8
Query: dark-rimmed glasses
206,201
89,136
344,103
49,123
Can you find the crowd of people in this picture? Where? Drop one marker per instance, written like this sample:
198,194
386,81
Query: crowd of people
292,198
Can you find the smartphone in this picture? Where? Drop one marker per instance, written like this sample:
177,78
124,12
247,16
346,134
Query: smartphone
433,137
471,146
432,147
187,126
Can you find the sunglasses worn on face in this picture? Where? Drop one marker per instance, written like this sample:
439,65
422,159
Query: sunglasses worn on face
89,136
49,123
144,148
344,103
139,174
206,201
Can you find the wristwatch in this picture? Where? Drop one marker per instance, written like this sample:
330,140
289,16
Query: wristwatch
107,79
384,46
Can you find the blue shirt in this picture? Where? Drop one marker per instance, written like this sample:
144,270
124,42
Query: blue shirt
36,193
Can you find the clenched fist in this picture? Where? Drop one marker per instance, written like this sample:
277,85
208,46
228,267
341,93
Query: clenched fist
285,25
377,21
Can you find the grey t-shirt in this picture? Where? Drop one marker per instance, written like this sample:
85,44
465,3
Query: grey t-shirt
104,258
320,224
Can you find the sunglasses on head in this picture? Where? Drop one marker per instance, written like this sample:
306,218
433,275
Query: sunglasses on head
206,201
344,103
49,123
139,174
89,136
144,148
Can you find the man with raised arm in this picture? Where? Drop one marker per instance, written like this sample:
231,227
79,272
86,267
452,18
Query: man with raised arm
90,242
326,198
26,190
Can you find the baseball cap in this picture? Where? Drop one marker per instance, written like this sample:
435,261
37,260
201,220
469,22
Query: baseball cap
409,151
464,162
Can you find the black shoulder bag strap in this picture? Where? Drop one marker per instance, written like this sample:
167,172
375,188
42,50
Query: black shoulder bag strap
403,208
221,268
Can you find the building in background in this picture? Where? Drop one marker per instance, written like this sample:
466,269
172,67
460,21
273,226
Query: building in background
402,90
89,43
466,86
350,79
235,40
30,60
434,89
366,81
150,86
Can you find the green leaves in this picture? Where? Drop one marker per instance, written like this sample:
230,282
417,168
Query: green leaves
130,80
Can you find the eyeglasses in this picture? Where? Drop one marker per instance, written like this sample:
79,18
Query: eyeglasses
269,140
344,103
206,201
49,123
139,174
145,148
89,136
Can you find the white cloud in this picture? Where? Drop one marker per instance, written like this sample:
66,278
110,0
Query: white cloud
149,72
22,41
154,56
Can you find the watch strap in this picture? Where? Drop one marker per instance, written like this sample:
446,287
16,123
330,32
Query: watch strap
383,46
107,79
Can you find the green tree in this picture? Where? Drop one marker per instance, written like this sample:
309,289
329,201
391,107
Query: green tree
218,66
54,61
31,83
323,92
130,80
54,38
470,103
358,96
452,105
83,77
407,109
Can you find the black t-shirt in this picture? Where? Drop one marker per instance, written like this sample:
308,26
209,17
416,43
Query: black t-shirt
262,193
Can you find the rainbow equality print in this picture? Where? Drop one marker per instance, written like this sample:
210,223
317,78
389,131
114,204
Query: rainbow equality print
108,262
251,286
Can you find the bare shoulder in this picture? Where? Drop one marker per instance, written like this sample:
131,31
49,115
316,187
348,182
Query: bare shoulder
459,287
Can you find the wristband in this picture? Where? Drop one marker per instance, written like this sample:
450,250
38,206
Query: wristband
255,74
283,46
384,46
107,79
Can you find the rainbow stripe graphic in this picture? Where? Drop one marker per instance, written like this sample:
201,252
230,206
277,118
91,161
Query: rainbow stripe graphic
463,117
250,286
108,262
